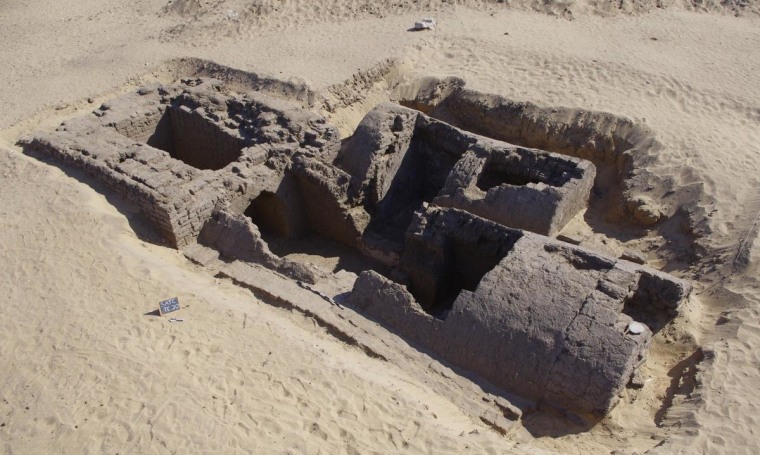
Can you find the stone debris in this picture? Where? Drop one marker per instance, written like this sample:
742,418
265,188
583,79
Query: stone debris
634,256
636,328
569,239
453,224
425,24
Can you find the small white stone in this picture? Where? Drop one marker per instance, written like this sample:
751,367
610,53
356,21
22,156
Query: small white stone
425,24
636,328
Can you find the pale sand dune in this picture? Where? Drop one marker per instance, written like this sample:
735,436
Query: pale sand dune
240,375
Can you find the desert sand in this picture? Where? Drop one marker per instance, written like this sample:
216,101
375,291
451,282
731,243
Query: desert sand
86,368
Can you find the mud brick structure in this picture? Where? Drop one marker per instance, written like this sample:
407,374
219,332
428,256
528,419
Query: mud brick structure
180,151
518,187
453,220
541,318
404,157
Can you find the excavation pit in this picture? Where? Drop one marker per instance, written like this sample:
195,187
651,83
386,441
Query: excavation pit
446,255
446,212
422,173
156,147
508,169
268,212
185,131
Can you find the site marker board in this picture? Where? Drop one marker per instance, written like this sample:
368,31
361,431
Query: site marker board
167,306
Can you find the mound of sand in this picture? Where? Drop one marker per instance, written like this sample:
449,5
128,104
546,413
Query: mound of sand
295,12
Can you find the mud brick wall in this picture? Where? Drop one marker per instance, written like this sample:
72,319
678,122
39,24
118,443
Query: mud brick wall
404,158
447,250
517,187
200,143
235,236
143,176
549,321
327,197
177,152
152,127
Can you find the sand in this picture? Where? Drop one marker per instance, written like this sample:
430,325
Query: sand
85,367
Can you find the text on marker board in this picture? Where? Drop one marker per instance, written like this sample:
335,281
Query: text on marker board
167,306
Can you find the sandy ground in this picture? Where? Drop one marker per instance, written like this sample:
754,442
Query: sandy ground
84,369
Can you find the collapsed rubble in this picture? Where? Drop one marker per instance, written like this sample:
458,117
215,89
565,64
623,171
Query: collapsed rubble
456,222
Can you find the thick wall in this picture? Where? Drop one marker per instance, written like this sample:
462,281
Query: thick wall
235,236
244,141
200,143
143,176
327,196
623,150
547,322
404,158
517,187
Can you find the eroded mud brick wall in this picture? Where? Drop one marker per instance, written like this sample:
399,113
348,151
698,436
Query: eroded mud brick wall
597,137
179,151
327,196
446,252
235,236
517,187
549,321
200,143
404,159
